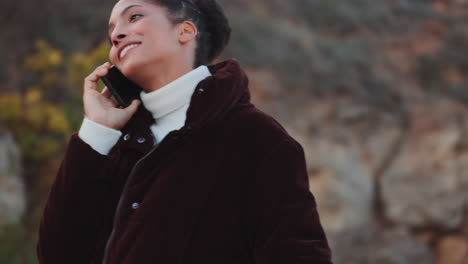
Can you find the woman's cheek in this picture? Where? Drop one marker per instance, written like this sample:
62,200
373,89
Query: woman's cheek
112,55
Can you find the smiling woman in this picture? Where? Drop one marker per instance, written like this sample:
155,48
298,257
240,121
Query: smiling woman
195,173
185,37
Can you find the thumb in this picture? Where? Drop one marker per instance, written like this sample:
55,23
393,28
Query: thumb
131,109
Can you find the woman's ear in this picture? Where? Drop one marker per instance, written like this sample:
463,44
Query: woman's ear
187,32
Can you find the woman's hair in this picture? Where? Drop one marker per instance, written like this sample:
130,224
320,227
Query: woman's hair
208,15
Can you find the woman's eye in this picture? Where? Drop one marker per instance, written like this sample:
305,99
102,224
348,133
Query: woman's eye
135,16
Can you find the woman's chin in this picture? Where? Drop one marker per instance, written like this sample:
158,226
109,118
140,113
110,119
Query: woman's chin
133,72
129,68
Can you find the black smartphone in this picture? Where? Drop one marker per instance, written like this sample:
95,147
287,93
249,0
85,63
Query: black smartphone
123,90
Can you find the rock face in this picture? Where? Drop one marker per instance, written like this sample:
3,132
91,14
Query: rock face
12,193
345,181
379,246
452,249
388,191
424,187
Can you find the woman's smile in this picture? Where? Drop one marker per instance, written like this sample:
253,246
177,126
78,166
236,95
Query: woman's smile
126,49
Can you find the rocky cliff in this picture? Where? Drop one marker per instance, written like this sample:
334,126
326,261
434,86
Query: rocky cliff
12,193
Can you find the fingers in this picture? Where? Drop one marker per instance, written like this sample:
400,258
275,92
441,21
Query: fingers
114,102
90,81
131,109
106,92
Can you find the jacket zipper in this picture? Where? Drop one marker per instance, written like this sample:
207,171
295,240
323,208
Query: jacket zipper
124,191
117,213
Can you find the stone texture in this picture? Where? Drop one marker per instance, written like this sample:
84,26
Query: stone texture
387,157
12,193
423,186
344,148
377,245
452,250
399,247
388,185
341,183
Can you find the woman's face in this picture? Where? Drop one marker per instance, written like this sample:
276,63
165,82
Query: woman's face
141,34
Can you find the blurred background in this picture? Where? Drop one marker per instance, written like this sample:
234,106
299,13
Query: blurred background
374,90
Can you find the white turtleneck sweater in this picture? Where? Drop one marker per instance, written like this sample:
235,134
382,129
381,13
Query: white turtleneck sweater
168,105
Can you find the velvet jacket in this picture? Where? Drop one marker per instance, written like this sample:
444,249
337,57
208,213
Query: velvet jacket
229,187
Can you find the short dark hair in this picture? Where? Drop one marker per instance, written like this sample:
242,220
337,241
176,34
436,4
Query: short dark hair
213,26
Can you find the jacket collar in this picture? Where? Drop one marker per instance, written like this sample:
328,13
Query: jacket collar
212,99
172,96
218,94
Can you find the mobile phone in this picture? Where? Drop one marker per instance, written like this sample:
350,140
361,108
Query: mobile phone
123,90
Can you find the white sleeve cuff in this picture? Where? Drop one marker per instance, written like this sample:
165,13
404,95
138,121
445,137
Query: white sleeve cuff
99,137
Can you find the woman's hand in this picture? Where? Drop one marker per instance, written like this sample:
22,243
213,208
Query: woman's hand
99,107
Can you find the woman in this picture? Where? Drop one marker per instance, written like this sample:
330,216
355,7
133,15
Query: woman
192,173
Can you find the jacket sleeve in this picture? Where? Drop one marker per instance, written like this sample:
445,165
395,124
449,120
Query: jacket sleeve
75,206
284,222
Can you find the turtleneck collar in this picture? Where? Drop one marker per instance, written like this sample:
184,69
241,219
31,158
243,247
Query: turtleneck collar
213,98
175,94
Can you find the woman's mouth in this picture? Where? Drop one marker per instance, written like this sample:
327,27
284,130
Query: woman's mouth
127,48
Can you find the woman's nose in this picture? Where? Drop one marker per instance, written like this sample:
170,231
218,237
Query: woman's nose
116,40
118,34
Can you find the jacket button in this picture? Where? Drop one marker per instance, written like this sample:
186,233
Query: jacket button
135,205
141,140
201,90
126,137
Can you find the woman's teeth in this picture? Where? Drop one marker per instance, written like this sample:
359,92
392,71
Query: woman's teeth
126,49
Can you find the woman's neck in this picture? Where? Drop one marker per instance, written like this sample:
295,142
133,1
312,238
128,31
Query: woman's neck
160,75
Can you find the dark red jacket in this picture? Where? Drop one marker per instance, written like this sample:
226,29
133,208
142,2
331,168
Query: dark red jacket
229,187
